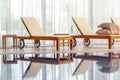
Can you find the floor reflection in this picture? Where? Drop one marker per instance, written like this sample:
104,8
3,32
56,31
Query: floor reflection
105,63
108,66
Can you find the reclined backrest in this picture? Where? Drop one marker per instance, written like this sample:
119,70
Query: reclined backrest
115,21
32,26
82,26
82,67
33,69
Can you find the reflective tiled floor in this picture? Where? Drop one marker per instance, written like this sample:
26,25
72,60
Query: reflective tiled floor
100,67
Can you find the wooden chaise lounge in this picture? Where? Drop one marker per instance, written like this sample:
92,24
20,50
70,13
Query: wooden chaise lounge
87,33
36,34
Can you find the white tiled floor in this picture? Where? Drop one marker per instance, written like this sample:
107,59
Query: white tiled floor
48,49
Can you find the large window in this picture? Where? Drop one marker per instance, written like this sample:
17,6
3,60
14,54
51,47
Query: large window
54,16
13,10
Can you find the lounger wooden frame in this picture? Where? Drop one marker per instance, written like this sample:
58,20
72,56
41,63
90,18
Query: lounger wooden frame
88,36
36,33
110,38
57,59
57,39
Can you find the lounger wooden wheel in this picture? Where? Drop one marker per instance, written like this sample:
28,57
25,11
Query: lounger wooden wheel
74,42
37,43
113,42
21,43
86,42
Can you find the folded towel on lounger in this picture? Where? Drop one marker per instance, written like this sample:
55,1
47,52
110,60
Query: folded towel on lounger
108,29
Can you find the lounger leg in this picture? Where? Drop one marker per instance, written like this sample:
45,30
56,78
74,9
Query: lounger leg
3,42
110,55
57,45
58,58
71,44
14,43
63,42
110,43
